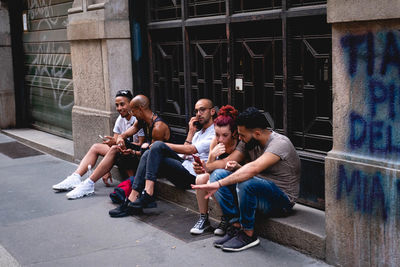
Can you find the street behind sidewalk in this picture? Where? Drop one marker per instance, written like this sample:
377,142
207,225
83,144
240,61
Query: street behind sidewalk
39,227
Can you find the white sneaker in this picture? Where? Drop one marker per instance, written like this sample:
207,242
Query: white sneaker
68,183
83,189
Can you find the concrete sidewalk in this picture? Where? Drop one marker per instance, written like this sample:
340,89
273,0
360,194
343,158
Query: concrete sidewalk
41,228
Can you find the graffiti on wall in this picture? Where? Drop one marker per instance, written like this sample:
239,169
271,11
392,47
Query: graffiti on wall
43,11
373,66
370,193
373,61
50,67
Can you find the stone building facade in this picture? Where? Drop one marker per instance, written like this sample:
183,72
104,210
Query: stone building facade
362,186
362,170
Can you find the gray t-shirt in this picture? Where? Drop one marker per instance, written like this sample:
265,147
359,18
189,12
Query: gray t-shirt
286,172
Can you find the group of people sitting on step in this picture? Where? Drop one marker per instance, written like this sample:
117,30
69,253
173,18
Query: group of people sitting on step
234,157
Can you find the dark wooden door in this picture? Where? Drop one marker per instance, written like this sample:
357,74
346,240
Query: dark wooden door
274,55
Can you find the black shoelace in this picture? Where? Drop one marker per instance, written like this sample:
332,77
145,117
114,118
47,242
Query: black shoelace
223,224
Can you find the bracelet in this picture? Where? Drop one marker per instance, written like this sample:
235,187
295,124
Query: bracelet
186,141
219,184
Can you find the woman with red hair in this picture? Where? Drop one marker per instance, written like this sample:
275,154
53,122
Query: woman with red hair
224,143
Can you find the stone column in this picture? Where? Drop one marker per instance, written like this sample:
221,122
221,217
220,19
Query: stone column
101,65
362,170
7,97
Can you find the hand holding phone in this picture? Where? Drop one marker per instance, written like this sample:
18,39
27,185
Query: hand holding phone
132,146
197,160
198,125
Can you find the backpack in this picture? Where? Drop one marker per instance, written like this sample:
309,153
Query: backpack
122,191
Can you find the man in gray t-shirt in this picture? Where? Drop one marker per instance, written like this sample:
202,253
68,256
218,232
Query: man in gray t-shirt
268,183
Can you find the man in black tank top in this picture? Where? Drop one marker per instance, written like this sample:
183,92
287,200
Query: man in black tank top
154,127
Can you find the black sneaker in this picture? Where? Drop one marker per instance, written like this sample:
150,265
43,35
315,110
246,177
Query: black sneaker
241,242
124,210
223,225
144,201
118,196
202,224
230,233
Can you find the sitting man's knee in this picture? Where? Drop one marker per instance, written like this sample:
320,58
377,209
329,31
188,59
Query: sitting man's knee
145,154
114,147
157,144
96,147
245,185
202,178
219,174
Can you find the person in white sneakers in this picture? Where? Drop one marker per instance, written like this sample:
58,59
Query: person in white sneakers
223,144
123,122
153,127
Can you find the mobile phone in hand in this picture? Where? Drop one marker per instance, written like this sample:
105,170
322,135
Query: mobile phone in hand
132,146
198,125
197,159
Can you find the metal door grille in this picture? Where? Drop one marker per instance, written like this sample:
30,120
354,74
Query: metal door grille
168,77
198,48
48,71
254,5
164,10
209,73
198,8
305,2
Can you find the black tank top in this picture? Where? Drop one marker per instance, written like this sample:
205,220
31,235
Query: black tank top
148,131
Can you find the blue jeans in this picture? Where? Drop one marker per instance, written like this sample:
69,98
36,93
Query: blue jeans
254,194
162,161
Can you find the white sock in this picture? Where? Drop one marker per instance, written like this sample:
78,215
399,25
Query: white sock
77,175
89,181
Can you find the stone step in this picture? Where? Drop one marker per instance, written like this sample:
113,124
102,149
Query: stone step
304,230
48,143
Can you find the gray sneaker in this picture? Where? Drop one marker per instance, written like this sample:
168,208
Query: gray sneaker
240,242
231,232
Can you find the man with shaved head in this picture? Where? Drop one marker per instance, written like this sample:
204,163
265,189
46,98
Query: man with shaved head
153,126
154,129
162,160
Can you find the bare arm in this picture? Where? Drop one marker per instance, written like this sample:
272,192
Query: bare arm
192,131
160,132
251,169
111,140
141,140
129,132
220,164
246,172
211,156
187,149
